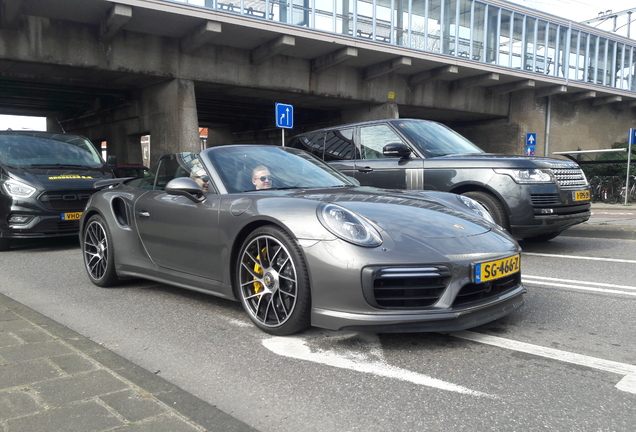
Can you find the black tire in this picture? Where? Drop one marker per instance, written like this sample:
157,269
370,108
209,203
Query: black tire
494,207
5,244
272,282
97,249
543,237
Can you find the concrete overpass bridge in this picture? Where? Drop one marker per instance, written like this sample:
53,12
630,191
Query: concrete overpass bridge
117,70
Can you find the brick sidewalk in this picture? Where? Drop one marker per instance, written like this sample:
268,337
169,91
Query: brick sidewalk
54,379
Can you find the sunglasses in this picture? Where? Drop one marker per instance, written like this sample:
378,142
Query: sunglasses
263,178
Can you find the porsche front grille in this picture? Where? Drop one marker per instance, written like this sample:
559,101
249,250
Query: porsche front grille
475,292
405,287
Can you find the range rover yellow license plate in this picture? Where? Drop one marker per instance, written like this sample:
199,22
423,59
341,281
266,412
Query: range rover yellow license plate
581,195
497,269
71,216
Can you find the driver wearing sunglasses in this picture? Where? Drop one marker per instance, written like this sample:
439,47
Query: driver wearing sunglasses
261,178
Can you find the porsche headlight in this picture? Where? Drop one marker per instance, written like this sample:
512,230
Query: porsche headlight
528,175
348,226
18,189
476,207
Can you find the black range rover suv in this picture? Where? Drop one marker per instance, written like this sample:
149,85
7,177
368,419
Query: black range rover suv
45,181
534,198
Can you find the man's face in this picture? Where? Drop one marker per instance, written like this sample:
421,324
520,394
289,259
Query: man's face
262,179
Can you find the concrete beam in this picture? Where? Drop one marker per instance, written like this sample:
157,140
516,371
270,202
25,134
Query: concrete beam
332,59
385,67
200,36
10,13
432,74
117,17
627,104
581,96
473,81
607,100
551,90
511,87
272,48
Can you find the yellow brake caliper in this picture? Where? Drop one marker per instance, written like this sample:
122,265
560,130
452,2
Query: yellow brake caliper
258,287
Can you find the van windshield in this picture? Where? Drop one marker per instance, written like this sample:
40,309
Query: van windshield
57,151
434,139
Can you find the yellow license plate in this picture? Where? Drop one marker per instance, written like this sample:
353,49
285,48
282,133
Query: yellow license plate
71,216
497,269
582,195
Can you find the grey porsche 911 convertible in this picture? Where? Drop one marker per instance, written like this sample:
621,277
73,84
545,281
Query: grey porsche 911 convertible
300,244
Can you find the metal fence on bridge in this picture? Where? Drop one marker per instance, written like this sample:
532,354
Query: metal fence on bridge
470,29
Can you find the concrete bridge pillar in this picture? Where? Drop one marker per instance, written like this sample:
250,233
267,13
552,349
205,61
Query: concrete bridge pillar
169,115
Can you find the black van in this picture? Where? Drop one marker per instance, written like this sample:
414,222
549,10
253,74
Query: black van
534,198
45,181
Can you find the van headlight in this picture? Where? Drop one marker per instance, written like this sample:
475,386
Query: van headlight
17,189
531,175
476,207
348,226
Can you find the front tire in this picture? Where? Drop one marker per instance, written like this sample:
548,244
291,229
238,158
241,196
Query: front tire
494,207
5,244
97,249
272,282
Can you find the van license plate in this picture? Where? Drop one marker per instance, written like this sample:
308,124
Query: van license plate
71,216
497,269
582,195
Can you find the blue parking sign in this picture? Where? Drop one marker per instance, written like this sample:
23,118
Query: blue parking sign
284,116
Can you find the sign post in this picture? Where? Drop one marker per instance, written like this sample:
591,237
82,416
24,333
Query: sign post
630,141
284,118
531,142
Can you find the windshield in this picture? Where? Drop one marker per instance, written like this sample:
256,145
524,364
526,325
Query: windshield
287,167
434,139
62,151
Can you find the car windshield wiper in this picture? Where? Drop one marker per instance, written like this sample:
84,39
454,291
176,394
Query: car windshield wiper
58,165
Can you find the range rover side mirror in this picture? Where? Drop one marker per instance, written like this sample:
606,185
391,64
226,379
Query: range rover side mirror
111,160
396,150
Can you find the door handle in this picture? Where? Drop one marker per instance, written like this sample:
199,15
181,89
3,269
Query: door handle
143,214
365,169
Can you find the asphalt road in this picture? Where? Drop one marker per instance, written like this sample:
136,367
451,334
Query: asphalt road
565,362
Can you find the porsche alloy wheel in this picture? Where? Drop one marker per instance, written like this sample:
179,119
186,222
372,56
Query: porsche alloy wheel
98,254
272,282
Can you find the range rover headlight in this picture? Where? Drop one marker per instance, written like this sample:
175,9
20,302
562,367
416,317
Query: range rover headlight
476,207
348,226
531,175
17,189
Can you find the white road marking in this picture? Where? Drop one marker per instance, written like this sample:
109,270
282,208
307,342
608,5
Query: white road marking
627,384
296,347
581,285
618,260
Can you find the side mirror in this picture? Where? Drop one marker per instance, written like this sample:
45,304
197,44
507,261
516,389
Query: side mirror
111,160
396,150
354,180
185,186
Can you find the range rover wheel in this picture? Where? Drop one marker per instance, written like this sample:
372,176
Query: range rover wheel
272,282
98,253
494,207
5,244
